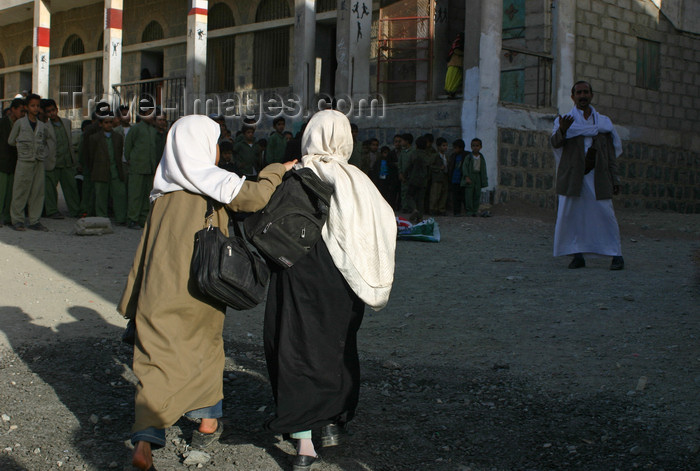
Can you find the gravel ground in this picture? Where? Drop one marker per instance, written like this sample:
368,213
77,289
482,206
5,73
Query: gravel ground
490,356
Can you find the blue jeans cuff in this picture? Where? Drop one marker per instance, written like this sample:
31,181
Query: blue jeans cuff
155,436
212,412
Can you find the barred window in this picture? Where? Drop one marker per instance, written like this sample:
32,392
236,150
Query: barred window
648,65
221,56
26,56
71,75
2,77
271,47
326,5
152,32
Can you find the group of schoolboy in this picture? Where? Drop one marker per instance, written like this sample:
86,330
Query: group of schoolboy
111,165
426,177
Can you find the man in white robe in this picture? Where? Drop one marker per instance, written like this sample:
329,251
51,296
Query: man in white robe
586,147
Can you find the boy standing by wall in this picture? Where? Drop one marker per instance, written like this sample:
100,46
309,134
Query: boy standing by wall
32,139
65,167
8,158
454,175
277,143
105,163
140,154
246,153
474,178
438,179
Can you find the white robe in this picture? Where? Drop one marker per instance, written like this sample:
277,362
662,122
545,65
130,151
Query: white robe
584,224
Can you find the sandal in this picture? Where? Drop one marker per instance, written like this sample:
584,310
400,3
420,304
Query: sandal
201,440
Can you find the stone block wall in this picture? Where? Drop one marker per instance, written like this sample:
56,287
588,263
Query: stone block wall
607,32
652,177
525,168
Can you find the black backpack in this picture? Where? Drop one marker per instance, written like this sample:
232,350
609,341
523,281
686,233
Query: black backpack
290,225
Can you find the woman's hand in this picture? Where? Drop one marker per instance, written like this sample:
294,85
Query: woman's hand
290,164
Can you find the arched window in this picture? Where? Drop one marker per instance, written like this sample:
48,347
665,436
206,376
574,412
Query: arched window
326,5
153,32
71,75
271,47
99,87
26,56
220,51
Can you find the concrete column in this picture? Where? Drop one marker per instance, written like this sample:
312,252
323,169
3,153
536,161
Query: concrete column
42,42
196,51
112,50
482,86
564,39
305,50
354,28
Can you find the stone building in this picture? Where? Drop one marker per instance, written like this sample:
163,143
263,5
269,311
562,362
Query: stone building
384,63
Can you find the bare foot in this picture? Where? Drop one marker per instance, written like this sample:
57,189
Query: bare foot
306,447
142,458
208,425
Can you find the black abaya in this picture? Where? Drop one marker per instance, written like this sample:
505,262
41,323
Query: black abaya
311,322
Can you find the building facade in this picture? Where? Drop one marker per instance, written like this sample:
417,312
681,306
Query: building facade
384,63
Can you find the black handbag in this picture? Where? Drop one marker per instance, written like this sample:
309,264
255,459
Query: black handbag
227,269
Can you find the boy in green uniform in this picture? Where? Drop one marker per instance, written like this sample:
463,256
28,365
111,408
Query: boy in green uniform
405,157
473,178
8,158
33,140
277,143
140,154
246,154
65,168
87,202
417,178
105,162
438,179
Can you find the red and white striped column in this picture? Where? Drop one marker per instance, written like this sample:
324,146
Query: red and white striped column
196,52
112,49
42,42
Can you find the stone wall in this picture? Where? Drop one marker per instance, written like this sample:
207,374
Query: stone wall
606,55
652,177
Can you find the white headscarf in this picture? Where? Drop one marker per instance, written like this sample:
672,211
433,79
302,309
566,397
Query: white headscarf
588,128
189,162
361,228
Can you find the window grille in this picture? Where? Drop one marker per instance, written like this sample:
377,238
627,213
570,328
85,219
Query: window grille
271,47
152,32
326,5
2,77
71,75
99,87
221,56
26,56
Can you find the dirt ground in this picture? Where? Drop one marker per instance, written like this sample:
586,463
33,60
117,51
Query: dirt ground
491,355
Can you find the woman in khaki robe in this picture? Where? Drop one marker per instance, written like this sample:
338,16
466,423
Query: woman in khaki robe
178,350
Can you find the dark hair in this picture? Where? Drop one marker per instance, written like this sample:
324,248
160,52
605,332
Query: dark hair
46,102
385,148
429,137
84,124
248,123
262,142
226,146
277,120
288,132
573,89
440,141
421,143
408,137
17,102
371,140
353,127
459,143
476,139
397,135
33,96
